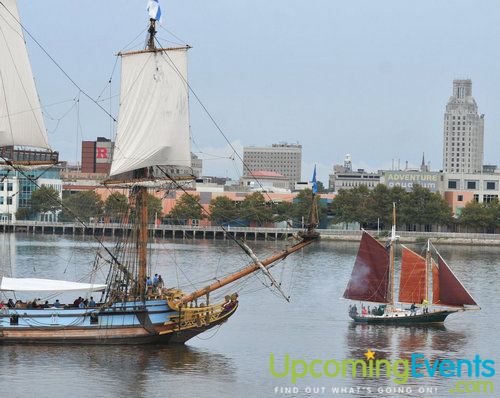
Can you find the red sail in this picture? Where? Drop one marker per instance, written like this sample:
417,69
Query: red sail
370,275
412,282
450,291
435,283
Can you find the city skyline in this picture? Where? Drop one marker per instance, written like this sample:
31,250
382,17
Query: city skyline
366,79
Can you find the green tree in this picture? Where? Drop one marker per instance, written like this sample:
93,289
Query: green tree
45,199
423,207
352,205
116,207
222,209
187,207
85,205
321,187
283,211
302,207
254,209
155,209
24,213
481,217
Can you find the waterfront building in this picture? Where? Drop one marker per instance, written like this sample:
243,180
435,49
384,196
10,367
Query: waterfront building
463,131
460,189
353,179
97,155
407,179
282,158
16,189
266,181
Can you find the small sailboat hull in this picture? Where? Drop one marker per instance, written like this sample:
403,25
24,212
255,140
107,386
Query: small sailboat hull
403,319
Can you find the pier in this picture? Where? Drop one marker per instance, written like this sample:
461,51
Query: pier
167,231
159,231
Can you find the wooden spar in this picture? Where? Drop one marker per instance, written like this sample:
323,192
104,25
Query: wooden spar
138,181
427,270
155,50
244,272
391,258
142,213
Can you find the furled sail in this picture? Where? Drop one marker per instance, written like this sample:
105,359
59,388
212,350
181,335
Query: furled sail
449,291
153,124
370,275
412,288
46,285
21,120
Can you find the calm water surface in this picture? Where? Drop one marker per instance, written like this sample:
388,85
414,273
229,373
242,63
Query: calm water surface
233,360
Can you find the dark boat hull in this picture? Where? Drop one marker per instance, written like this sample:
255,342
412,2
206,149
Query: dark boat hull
431,317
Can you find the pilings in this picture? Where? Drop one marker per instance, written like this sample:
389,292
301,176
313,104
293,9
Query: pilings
158,231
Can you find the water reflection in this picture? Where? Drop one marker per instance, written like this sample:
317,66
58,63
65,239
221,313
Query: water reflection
133,366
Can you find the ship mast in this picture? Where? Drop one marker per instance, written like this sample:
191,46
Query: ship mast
427,269
140,194
391,256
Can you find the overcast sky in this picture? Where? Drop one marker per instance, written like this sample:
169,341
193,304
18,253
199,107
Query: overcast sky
369,78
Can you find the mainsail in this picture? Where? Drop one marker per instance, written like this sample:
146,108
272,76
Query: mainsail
447,289
412,286
21,120
370,276
153,123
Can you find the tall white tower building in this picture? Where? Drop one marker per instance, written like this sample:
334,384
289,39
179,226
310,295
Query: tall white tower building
463,133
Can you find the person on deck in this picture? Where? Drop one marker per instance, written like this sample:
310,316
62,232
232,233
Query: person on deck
425,306
413,309
57,304
155,280
92,303
364,312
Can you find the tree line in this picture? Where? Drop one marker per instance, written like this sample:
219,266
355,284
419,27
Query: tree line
370,209
88,206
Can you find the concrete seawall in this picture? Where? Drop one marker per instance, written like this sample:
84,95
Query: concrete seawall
248,233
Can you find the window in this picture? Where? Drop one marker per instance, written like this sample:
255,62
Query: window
10,187
1,200
489,198
491,185
9,200
476,198
2,186
471,184
460,198
452,184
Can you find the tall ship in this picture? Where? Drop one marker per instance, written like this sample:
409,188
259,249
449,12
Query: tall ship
372,284
152,138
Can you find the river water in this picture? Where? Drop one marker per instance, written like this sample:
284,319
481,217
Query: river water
234,360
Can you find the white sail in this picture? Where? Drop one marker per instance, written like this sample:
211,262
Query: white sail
153,124
21,120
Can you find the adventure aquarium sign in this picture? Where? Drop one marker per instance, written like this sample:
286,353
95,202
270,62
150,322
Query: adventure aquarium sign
407,180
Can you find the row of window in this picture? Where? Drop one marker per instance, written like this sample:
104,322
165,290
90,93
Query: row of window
488,185
9,185
3,201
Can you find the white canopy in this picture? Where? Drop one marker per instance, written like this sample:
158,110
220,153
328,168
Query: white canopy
153,123
45,285
21,120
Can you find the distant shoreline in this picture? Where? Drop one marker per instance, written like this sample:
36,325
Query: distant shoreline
247,233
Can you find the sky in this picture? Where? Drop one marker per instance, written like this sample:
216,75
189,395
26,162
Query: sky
364,77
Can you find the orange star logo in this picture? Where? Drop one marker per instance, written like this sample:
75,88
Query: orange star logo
369,355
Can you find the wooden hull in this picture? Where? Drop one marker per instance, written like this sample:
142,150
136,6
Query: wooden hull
404,319
163,333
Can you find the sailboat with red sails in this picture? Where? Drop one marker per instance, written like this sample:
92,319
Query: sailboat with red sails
373,281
